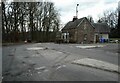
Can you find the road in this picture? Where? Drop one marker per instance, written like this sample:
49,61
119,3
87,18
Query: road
0,63
53,62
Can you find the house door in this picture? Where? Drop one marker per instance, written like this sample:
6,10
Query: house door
97,38
85,38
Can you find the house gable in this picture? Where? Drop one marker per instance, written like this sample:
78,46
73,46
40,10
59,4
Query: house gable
85,24
85,31
79,30
85,19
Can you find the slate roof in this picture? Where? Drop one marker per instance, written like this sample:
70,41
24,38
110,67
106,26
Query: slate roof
101,28
72,24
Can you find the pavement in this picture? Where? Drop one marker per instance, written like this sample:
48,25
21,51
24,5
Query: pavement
54,62
97,64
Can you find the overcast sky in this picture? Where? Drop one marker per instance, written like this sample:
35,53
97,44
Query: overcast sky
95,8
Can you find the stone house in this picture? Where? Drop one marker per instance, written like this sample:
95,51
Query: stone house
78,31
82,31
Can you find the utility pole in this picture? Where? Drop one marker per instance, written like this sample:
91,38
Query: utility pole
119,14
77,10
77,17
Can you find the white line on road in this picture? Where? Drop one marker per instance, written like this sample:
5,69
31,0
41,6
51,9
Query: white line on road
92,46
35,55
60,66
39,72
40,68
46,70
35,48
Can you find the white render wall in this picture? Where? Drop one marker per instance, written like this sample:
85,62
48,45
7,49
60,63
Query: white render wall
105,36
65,37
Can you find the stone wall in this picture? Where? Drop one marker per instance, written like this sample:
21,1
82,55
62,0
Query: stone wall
84,33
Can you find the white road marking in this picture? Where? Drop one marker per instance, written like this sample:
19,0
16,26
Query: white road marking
40,68
61,66
46,70
35,55
35,48
39,72
59,52
92,46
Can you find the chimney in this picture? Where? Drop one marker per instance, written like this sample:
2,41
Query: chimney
75,18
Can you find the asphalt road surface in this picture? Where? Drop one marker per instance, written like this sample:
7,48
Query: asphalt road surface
53,62
0,63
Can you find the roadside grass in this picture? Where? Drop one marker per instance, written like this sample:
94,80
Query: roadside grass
114,38
10,43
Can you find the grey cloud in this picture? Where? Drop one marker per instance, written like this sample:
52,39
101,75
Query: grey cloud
86,5
72,7
110,1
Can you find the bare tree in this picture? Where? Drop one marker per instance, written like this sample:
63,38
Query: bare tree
29,20
110,17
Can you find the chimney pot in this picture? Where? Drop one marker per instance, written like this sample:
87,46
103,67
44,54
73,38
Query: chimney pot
75,18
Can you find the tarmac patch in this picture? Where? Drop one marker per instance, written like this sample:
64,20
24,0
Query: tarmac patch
26,57
11,55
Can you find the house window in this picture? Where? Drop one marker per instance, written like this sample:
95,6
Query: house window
66,37
85,37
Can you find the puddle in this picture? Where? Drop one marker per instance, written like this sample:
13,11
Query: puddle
26,57
6,73
11,55
23,62
37,53
35,48
46,48
56,65
32,64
